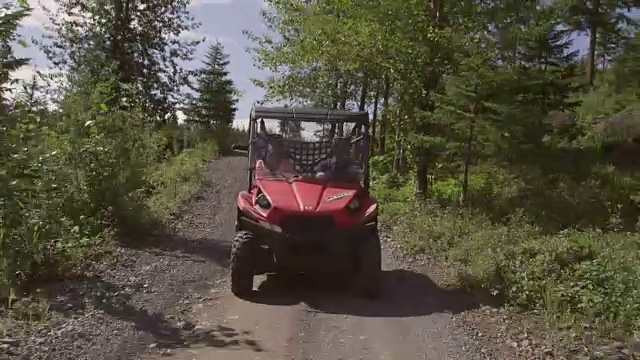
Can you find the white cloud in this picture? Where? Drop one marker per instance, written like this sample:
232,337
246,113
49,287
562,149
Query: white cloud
27,72
23,73
181,116
195,3
40,10
38,16
226,41
46,79
208,38
192,35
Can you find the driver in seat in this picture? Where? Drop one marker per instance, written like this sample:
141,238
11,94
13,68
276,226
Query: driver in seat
340,166
277,160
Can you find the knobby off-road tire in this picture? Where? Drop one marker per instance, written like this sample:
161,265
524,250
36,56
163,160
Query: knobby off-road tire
242,265
369,271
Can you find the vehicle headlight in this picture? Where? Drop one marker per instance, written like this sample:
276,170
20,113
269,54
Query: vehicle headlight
353,205
263,202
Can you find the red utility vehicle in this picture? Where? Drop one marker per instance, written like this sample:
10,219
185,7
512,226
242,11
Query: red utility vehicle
292,219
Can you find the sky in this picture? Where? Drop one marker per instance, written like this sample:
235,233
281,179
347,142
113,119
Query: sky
224,20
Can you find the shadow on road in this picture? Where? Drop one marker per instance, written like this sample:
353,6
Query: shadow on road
173,245
166,331
237,153
405,294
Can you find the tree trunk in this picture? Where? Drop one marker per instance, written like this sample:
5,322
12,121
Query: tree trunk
343,106
433,13
385,118
364,93
397,153
422,173
334,105
374,121
593,38
119,34
467,162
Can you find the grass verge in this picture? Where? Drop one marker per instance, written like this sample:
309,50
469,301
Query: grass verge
170,184
177,179
570,277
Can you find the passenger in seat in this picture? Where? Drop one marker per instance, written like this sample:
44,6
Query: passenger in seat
340,166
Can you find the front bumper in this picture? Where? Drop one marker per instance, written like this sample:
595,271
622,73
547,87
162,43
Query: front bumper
317,252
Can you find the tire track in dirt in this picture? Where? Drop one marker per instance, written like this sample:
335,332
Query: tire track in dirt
169,298
413,320
226,327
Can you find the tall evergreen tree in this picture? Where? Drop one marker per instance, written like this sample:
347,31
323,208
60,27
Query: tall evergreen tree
611,36
595,17
215,103
10,16
547,43
626,66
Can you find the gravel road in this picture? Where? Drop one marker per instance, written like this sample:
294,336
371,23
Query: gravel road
169,297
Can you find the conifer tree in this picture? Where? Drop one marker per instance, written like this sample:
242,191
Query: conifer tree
214,105
626,66
594,17
546,43
10,17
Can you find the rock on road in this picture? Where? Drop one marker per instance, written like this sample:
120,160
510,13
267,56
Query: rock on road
169,298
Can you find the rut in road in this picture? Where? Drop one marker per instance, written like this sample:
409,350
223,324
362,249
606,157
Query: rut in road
413,320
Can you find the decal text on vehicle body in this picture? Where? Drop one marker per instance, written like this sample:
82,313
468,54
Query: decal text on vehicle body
338,196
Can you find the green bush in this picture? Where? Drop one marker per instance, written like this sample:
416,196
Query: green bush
73,176
586,275
553,202
177,179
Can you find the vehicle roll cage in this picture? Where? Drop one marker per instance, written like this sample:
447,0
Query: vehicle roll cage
360,119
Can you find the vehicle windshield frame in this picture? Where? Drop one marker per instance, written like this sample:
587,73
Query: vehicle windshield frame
274,150
305,168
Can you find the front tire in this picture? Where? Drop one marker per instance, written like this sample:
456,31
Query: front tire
369,270
242,264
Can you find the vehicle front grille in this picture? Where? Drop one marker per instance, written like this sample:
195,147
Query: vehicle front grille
307,225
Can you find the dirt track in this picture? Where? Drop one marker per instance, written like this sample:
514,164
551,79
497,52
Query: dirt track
172,300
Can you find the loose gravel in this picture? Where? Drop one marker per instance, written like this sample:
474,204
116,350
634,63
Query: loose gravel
140,297
499,332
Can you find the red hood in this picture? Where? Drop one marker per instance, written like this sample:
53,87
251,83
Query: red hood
298,195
